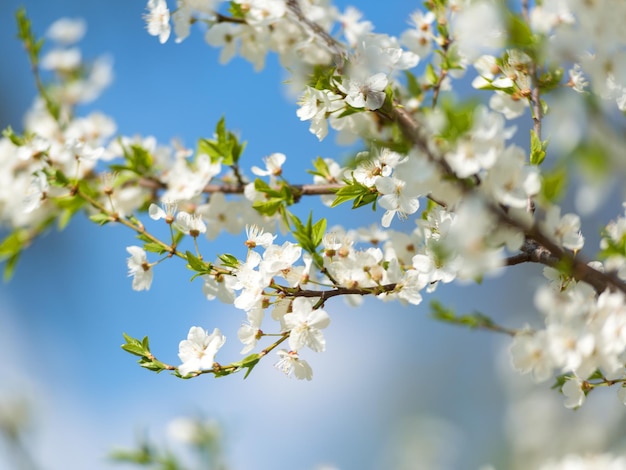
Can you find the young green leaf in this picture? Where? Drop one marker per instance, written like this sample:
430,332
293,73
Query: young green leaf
537,148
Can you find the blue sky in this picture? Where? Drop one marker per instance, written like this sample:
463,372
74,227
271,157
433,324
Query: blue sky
62,316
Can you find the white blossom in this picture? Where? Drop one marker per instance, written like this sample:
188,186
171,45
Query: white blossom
139,268
199,349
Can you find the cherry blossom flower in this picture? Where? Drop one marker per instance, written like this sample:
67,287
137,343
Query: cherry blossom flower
167,212
262,12
574,394
62,60
419,39
139,268
291,365
529,354
199,349
278,258
158,19
190,224
306,325
317,106
273,165
227,37
257,237
368,93
249,332
36,192
218,287
564,230
67,31
353,29
396,198
221,214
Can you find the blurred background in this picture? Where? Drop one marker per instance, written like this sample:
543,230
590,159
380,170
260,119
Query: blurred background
395,389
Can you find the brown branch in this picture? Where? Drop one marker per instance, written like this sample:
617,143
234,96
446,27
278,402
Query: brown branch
219,18
327,294
301,189
337,48
580,269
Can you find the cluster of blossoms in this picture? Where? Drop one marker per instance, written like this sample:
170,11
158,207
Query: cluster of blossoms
480,202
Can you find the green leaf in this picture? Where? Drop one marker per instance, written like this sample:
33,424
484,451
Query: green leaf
153,365
318,232
537,148
520,34
59,179
229,260
70,205
225,147
100,219
321,168
459,119
17,140
560,381
431,75
593,159
269,207
250,362
413,86
133,346
154,247
209,148
439,312
309,236
138,160
322,78
196,264
236,10
550,80
553,184
447,315
360,194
